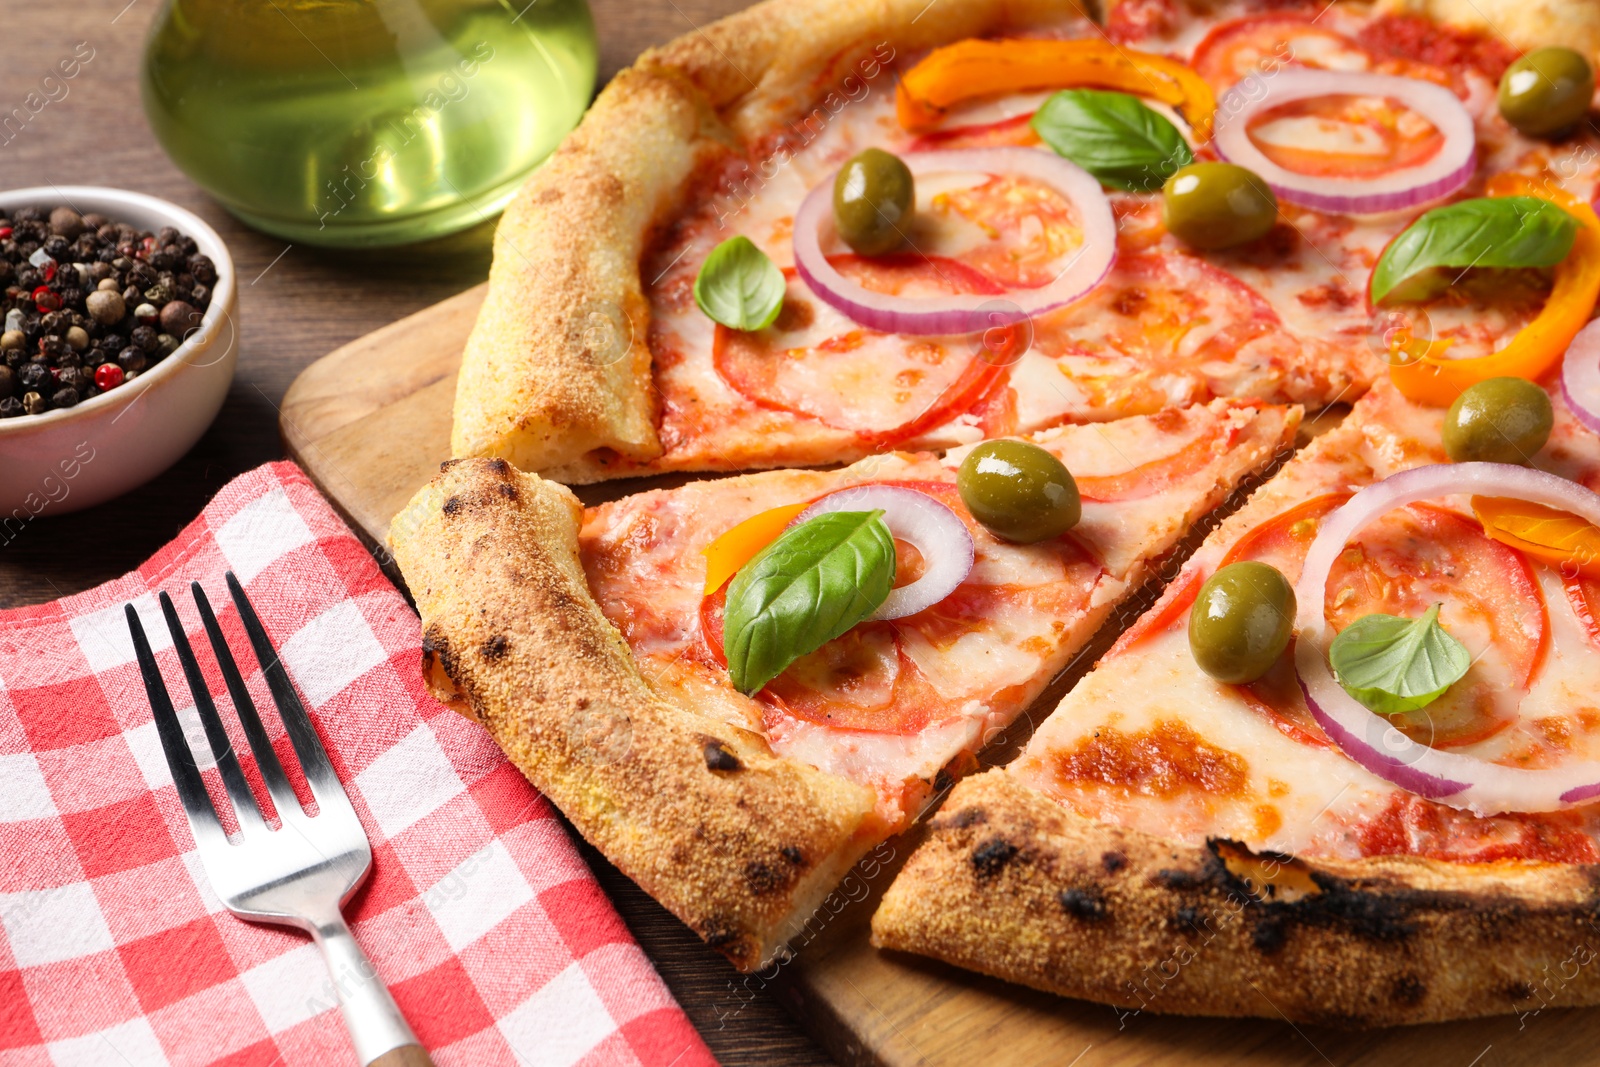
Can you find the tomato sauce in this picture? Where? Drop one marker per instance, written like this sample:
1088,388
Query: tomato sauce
1165,761
1412,826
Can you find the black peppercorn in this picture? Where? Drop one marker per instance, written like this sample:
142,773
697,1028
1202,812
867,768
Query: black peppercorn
131,359
34,375
144,337
8,382
204,271
10,408
65,398
55,246
200,296
73,377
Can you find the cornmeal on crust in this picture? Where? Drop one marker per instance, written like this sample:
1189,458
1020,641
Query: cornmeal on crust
1014,885
727,836
558,365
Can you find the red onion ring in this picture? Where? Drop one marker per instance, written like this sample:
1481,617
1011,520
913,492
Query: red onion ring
1580,376
1446,172
1455,779
968,313
936,531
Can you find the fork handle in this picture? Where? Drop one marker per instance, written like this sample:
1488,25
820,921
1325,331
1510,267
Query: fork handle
378,1031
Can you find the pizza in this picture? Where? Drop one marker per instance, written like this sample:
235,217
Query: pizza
953,332
592,644
1171,843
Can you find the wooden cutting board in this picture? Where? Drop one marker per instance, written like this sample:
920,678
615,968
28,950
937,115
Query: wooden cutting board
370,423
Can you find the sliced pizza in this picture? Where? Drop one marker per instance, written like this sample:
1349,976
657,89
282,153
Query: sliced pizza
1392,825
736,687
685,287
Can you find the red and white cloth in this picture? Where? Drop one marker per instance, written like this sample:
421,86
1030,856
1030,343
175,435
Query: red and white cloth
493,936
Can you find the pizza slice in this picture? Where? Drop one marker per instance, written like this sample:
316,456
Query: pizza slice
732,770
1351,852
1042,276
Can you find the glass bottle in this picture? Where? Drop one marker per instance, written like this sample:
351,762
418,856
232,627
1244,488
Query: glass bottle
366,122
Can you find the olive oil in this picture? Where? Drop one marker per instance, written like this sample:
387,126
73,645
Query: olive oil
366,122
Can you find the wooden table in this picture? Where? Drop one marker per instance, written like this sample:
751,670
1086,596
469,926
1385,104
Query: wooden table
296,304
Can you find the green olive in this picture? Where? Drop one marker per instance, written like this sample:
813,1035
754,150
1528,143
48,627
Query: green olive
1217,205
1019,491
1241,621
1547,91
1501,420
873,197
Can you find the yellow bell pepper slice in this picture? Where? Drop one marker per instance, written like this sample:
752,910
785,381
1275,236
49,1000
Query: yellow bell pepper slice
974,68
1436,380
739,545
1559,538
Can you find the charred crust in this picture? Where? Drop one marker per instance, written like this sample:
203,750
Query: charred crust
447,464
792,854
1113,860
990,857
495,647
763,879
500,467
507,490
1181,881
942,781
435,646
719,757
964,818
1409,990
1268,937
1084,903
1519,991
451,505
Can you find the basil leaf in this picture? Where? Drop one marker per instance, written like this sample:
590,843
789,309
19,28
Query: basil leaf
739,286
1499,231
803,590
1392,665
1114,137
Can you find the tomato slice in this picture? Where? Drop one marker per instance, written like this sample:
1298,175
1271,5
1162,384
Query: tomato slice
1412,826
1175,600
1345,136
1409,559
1016,130
1261,44
815,362
1583,593
1156,476
1162,311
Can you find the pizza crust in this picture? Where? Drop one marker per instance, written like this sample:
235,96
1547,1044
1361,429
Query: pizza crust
737,842
1014,885
558,365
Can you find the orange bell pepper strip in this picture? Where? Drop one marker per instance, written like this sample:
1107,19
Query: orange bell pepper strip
1549,535
739,545
1436,380
973,68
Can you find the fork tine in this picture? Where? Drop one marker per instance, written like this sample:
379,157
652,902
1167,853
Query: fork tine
244,802
266,758
314,763
203,822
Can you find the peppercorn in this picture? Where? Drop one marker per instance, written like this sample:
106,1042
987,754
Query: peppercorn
179,318
147,314
52,346
8,381
66,222
12,340
200,296
107,308
131,359
66,397
33,375
146,337
107,376
74,377
10,408
32,403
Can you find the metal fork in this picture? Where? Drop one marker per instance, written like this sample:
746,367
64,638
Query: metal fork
301,874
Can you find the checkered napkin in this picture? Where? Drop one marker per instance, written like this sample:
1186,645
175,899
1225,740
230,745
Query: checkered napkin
492,934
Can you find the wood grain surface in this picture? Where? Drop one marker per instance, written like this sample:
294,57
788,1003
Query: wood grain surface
296,305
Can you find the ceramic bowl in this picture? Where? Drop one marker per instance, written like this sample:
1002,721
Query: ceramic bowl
73,458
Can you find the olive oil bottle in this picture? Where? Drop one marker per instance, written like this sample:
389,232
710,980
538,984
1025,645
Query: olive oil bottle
366,122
